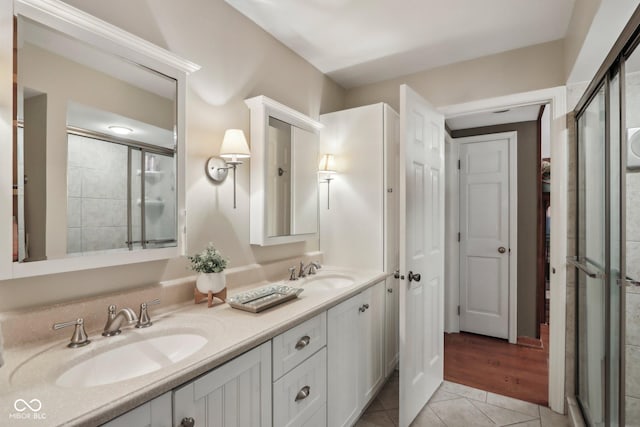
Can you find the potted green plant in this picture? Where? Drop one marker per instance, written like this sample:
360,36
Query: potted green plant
210,265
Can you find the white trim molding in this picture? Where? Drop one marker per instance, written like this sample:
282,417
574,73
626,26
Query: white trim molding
556,97
60,15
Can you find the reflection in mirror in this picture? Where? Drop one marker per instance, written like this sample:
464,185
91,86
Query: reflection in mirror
95,150
292,193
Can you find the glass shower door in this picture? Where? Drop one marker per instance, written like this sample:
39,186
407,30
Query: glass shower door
591,260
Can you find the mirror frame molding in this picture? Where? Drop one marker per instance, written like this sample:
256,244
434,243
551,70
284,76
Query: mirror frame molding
111,39
261,109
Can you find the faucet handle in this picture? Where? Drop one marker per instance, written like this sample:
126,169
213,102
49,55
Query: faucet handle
292,273
79,337
144,321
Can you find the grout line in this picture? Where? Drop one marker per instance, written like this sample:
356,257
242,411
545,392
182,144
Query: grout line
428,406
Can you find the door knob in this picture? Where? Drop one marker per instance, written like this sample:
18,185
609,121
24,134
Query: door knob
413,276
188,422
502,249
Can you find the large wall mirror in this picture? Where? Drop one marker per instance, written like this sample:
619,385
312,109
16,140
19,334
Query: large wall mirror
284,180
97,144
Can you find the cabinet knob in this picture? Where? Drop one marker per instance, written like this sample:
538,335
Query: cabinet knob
413,276
303,393
303,342
366,306
390,290
188,422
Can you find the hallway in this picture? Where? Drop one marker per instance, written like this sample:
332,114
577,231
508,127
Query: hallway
495,365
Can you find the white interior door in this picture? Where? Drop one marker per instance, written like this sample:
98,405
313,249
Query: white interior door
484,236
421,252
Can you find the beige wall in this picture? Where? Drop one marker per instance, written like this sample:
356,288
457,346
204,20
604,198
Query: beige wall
238,60
527,216
583,13
535,67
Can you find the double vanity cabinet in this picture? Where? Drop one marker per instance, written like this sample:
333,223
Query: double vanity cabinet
321,372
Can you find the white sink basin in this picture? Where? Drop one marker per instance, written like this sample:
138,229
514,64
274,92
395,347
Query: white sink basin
329,281
131,360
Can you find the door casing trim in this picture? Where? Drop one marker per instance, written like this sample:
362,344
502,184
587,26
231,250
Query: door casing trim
556,97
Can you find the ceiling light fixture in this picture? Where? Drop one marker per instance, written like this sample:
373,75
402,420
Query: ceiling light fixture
120,130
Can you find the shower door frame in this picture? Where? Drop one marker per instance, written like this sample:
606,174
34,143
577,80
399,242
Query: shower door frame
613,64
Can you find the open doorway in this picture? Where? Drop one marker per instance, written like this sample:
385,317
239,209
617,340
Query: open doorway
497,299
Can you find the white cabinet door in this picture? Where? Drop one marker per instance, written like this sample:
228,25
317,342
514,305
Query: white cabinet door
237,394
155,413
343,332
355,341
391,319
372,341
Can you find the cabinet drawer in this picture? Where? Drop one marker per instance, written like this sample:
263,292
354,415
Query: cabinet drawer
302,393
292,347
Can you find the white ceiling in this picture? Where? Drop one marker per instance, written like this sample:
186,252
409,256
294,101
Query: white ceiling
358,42
93,119
491,118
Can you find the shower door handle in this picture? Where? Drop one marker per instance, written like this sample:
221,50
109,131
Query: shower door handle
584,268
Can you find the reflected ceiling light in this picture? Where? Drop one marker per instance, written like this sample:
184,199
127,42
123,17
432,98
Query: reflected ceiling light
234,147
120,130
326,170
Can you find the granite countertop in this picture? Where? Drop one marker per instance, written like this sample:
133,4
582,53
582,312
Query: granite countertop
30,370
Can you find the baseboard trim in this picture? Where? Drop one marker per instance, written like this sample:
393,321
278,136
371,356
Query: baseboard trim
574,413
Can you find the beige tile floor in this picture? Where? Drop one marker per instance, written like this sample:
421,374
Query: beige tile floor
455,405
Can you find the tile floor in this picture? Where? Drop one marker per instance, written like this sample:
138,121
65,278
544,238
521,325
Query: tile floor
456,405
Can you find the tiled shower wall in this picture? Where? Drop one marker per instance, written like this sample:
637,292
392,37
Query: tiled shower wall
632,347
96,195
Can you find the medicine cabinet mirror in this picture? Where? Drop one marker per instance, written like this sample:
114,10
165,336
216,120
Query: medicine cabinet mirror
98,143
284,180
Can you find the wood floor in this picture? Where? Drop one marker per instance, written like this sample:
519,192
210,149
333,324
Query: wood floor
495,365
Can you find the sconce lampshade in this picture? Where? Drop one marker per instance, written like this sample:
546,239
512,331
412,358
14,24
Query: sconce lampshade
234,146
327,164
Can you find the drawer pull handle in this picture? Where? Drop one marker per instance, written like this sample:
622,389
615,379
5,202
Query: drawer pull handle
303,342
303,393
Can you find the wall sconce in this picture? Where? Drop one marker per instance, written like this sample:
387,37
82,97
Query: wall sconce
234,147
326,170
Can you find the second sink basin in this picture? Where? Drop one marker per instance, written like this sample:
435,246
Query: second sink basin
328,281
131,360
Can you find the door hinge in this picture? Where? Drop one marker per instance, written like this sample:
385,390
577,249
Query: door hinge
458,310
458,164
458,236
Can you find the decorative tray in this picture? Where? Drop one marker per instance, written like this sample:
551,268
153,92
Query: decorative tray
260,299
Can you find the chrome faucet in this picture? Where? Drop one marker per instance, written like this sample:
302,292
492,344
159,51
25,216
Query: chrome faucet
115,321
310,269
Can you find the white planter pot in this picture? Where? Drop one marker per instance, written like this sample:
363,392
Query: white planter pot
214,282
